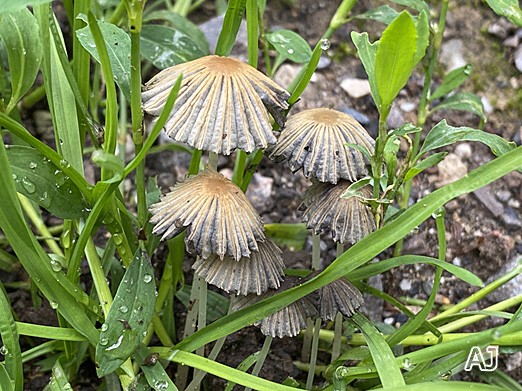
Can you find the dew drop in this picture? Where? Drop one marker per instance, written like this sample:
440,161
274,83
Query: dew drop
117,239
290,51
56,266
44,200
497,334
53,304
104,341
104,327
406,364
15,177
161,385
28,185
60,178
33,165
123,309
325,44
3,350
147,278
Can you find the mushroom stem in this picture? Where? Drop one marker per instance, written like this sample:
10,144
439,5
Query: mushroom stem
338,334
307,340
213,160
313,358
261,358
316,252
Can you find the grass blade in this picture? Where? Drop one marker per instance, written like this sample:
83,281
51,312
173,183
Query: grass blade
11,347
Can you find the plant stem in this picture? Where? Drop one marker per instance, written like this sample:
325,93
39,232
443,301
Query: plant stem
316,252
213,160
313,357
261,358
338,333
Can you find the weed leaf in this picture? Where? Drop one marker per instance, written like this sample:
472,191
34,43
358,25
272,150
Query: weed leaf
290,45
11,347
19,32
384,14
367,52
7,6
129,317
417,5
507,8
118,48
423,34
154,372
463,101
6,383
430,161
443,134
164,46
451,81
394,61
41,181
217,304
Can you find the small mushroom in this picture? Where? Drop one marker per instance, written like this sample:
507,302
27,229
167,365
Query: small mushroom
263,270
315,140
339,296
287,322
348,218
220,105
218,216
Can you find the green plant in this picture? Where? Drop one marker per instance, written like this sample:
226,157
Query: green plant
112,324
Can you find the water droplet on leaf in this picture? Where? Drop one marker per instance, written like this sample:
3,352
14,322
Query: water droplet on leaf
56,266
123,309
33,165
28,185
325,44
147,278
3,350
53,304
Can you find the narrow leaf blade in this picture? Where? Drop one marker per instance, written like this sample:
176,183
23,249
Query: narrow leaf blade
452,80
463,101
367,52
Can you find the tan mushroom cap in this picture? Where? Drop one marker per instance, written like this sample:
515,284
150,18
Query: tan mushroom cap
315,139
287,322
218,216
221,106
262,271
339,296
348,218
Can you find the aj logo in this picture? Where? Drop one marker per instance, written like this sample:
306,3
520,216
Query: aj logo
476,358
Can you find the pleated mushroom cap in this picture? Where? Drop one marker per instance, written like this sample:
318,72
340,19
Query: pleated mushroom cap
262,271
339,296
348,218
287,322
218,216
221,106
315,139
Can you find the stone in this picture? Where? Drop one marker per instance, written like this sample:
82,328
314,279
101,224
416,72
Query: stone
357,115
451,54
485,196
356,88
405,285
212,27
450,169
259,192
518,58
408,107
503,195
511,218
463,150
324,62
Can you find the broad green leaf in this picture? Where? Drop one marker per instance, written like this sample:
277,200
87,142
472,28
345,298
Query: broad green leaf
430,161
394,61
10,343
17,5
363,251
384,14
443,134
74,305
183,25
118,46
382,355
19,32
353,189
510,9
154,372
292,236
451,81
165,47
383,266
59,381
217,305
129,317
231,23
367,52
422,25
40,180
463,101
290,45
418,5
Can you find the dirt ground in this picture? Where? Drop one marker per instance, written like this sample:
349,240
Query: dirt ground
484,228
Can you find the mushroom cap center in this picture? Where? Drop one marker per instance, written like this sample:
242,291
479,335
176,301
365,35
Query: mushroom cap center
325,116
223,65
218,186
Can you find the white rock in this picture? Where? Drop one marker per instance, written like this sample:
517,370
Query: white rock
408,106
356,88
450,169
463,150
405,285
518,58
451,54
488,108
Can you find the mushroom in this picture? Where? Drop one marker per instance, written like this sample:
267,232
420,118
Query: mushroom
348,218
287,322
338,296
220,106
218,216
263,270
315,140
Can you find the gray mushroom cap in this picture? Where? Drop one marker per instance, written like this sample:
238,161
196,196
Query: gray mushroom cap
315,140
339,296
287,322
218,216
221,106
262,271
348,218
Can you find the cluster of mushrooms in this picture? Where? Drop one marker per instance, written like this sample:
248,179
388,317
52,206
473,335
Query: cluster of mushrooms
224,105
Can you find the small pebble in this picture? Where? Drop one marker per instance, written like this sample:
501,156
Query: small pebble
395,118
511,219
518,58
450,169
463,150
358,116
451,54
503,195
514,203
389,320
457,261
324,62
408,106
356,88
488,108
405,285
511,42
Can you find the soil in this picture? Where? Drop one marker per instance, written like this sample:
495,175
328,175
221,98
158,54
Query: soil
483,229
